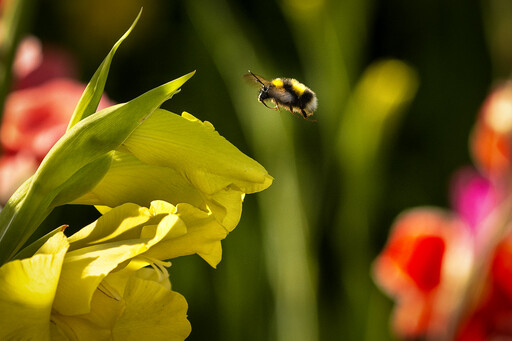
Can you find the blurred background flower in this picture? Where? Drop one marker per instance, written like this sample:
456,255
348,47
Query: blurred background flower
463,294
37,110
400,85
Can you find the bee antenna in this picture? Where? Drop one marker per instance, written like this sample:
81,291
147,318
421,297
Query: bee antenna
256,77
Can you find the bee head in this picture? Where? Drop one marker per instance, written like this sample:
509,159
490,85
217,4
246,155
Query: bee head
263,95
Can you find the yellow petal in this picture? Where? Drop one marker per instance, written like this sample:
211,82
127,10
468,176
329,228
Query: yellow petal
95,325
196,151
226,206
151,275
152,312
131,180
159,207
118,280
144,309
121,223
27,290
203,237
84,268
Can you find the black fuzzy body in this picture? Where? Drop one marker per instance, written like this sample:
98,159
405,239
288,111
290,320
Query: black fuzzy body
288,93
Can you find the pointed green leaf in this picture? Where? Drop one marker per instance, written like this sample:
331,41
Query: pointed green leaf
91,97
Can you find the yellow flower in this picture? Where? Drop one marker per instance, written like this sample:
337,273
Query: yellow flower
95,284
27,290
137,153
132,152
167,186
180,159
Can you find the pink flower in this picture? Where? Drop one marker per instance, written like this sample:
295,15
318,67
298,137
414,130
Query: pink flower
36,115
35,118
473,197
36,63
14,170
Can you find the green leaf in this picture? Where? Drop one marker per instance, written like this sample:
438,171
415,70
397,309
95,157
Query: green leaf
91,97
82,181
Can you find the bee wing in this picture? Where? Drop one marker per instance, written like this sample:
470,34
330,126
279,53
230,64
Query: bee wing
254,80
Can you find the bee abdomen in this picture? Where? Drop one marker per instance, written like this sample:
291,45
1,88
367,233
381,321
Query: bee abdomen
308,101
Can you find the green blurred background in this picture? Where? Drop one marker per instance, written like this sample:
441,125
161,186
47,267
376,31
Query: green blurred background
399,85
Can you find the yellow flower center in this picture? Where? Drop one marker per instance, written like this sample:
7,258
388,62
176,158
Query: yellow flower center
159,266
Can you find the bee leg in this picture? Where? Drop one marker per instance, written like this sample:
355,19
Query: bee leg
290,108
265,104
276,106
306,116
293,111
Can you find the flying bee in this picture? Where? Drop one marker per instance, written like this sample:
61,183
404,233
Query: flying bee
287,92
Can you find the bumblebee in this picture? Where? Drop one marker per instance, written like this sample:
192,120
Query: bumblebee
287,92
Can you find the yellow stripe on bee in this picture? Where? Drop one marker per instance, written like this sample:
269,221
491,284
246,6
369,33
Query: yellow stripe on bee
278,82
298,88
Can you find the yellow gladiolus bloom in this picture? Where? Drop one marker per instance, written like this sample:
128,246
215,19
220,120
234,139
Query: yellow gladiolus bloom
95,284
180,159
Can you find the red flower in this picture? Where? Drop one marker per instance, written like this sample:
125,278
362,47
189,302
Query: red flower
36,63
447,274
491,319
424,264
